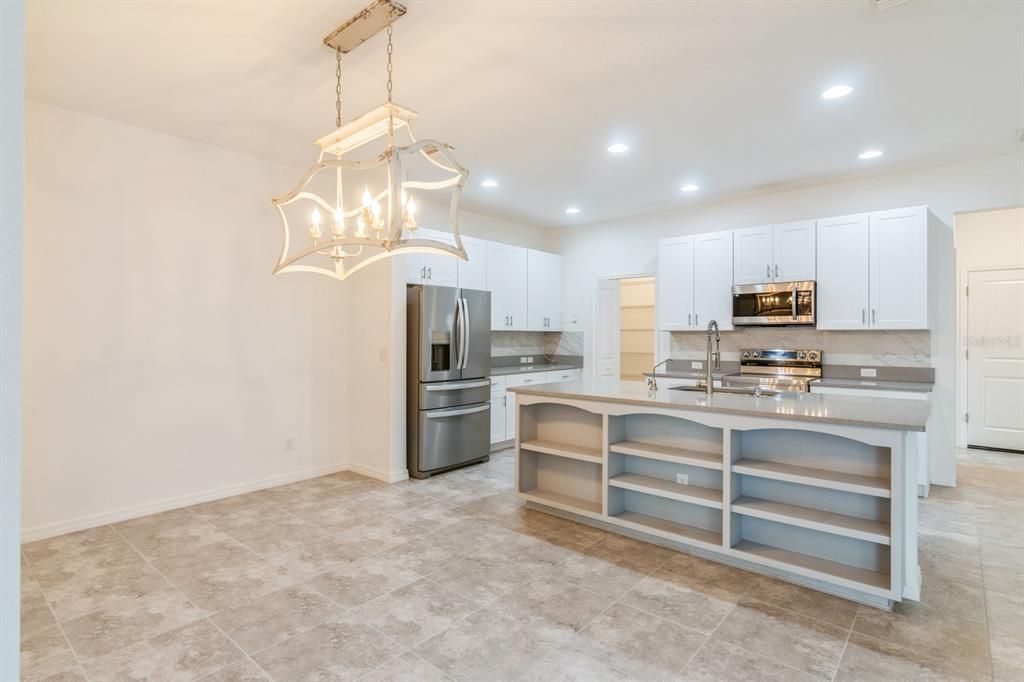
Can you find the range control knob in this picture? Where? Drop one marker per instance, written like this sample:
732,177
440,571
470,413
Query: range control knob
813,355
757,354
746,353
801,355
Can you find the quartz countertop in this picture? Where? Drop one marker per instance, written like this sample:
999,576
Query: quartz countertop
879,413
874,384
527,369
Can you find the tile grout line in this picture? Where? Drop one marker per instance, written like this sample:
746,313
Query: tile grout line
846,644
60,626
185,597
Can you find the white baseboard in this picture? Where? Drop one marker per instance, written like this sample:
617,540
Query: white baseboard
50,530
380,474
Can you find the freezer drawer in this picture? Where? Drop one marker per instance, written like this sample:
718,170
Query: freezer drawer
451,393
450,437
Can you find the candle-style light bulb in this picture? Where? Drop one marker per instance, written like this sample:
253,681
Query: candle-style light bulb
315,232
367,199
339,222
410,214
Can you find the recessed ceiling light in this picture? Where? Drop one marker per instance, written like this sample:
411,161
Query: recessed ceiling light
618,148
489,183
837,91
870,154
689,188
572,209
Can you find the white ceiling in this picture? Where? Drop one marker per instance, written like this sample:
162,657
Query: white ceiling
722,94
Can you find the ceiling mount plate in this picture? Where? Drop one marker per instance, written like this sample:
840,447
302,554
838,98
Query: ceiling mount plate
369,22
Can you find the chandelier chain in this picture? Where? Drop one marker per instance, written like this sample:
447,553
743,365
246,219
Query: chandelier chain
337,89
391,49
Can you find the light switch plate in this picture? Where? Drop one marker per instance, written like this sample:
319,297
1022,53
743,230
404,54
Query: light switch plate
869,372
683,479
697,365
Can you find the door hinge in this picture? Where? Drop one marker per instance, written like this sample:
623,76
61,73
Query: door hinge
967,290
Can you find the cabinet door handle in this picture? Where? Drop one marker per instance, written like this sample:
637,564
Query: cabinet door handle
873,317
689,319
768,270
696,319
863,316
776,270
430,273
423,272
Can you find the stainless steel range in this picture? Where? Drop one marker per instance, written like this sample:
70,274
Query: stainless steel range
788,371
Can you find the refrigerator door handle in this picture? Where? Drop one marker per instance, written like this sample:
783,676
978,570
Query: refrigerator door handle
465,333
449,386
458,333
458,412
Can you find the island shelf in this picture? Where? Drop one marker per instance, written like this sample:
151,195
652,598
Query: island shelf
823,504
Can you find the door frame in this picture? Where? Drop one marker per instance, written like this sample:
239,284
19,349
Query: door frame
595,319
962,277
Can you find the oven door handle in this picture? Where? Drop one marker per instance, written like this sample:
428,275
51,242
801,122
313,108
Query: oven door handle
794,302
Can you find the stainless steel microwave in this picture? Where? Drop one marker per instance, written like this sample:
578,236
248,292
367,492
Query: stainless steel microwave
775,303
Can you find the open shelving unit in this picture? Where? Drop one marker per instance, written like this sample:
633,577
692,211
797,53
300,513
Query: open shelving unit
561,458
814,503
812,506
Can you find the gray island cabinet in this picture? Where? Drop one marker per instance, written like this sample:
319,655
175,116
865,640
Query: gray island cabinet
815,489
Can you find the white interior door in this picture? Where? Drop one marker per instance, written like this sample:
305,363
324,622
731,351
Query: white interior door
606,329
995,359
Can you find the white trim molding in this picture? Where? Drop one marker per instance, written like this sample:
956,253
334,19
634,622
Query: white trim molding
49,530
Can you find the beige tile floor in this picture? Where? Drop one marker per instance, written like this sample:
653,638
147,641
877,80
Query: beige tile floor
342,578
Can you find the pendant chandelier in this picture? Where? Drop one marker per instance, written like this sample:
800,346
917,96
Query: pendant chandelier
358,204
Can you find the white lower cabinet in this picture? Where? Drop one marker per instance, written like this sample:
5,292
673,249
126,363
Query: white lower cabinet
503,403
498,429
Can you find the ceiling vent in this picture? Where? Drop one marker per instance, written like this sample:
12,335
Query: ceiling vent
886,4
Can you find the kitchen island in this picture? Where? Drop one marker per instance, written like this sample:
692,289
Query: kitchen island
814,489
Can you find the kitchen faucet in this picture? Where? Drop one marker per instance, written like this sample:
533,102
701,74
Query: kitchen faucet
652,382
717,355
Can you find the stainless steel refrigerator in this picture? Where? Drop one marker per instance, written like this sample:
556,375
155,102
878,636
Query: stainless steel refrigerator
449,386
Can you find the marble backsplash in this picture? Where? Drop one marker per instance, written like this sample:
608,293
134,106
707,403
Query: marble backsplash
536,343
889,348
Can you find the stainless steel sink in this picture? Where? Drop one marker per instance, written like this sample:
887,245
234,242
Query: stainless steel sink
753,390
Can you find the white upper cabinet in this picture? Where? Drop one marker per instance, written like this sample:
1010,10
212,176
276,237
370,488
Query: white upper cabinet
432,268
473,272
507,282
793,249
694,283
544,291
774,253
675,284
752,255
842,291
899,269
873,270
712,279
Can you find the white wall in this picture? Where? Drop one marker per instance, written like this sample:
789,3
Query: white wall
984,240
12,35
630,245
163,362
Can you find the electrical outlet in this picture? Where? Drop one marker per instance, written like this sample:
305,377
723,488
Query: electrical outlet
522,360
529,360
697,365
289,444
684,479
382,354
868,372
